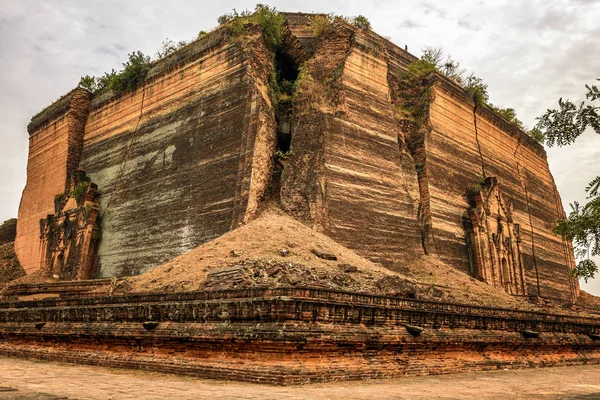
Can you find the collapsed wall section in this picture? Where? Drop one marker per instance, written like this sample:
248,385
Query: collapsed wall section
55,145
346,175
184,158
394,191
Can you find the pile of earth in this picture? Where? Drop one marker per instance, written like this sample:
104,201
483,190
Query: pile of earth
275,250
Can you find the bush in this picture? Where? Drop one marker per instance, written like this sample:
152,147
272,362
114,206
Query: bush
283,155
268,18
478,90
536,134
361,22
271,21
133,73
418,69
88,82
169,47
79,191
319,23
510,114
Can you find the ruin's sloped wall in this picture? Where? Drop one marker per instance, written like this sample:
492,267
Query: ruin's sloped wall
460,145
372,199
175,158
359,179
178,162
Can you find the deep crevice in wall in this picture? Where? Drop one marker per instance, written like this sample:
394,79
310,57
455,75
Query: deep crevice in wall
286,74
477,140
412,99
128,152
524,187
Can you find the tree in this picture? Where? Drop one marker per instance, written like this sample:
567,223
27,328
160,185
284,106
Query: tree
361,22
444,63
89,83
562,127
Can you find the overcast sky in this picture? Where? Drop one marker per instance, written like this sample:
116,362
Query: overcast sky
529,52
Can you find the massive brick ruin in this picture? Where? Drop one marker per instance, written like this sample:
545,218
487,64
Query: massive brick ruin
119,184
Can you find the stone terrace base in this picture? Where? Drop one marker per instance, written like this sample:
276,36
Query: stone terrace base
291,336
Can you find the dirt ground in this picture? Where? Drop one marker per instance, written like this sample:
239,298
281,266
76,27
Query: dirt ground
22,379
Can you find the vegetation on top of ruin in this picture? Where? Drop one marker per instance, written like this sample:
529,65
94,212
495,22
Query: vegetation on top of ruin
138,64
320,22
435,59
562,127
133,73
79,191
268,18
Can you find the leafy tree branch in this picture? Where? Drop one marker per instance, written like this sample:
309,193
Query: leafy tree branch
562,127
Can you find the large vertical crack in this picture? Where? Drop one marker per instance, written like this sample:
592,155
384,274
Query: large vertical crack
524,187
128,152
478,144
412,100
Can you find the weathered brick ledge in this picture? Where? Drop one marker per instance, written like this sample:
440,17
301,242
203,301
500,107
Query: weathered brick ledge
63,288
292,335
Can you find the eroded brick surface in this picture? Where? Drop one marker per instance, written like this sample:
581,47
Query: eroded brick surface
287,336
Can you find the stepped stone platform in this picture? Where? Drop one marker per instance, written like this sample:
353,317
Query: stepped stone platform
291,335
61,288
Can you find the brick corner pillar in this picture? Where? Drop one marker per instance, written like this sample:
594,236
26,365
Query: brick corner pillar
55,147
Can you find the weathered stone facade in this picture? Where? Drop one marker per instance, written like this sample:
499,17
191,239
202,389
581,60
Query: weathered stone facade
495,240
191,154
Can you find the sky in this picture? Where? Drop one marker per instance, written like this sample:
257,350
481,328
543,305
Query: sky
530,53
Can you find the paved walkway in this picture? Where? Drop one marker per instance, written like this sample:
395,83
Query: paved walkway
21,379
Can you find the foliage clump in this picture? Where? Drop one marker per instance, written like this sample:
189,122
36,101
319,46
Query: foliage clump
169,47
79,191
128,79
562,127
418,70
361,22
320,22
268,18
478,90
582,227
443,63
283,155
511,115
